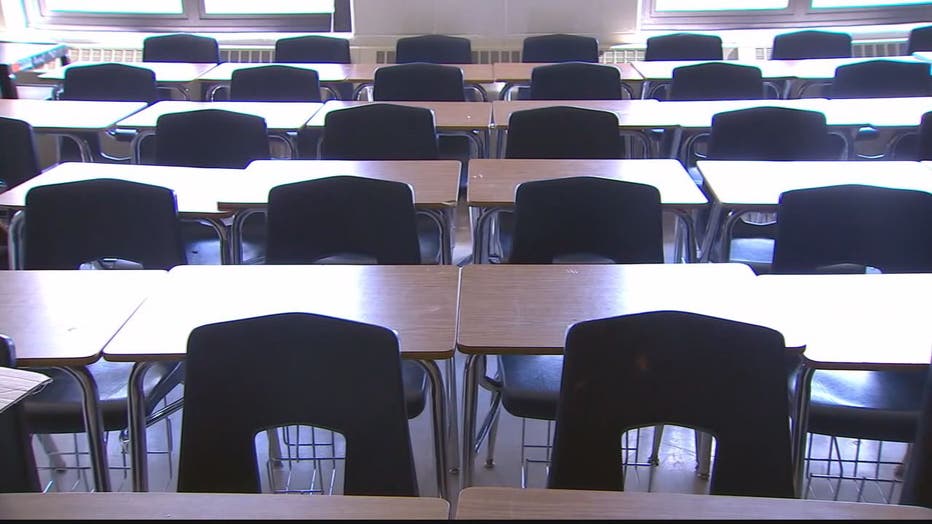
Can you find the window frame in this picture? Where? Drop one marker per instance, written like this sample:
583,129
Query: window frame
798,13
193,18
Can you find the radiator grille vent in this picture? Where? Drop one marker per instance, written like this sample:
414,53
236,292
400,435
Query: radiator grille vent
479,56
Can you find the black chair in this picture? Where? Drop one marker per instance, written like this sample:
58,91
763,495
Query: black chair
312,49
716,81
17,461
71,224
384,131
181,47
715,375
917,483
915,146
571,220
356,367
800,45
821,230
435,49
575,81
18,158
684,46
881,78
563,132
210,138
106,82
920,39
418,81
560,48
275,83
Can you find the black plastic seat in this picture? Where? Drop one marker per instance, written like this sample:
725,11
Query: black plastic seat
356,367
866,226
684,46
181,47
18,157
714,375
17,462
210,138
882,78
716,81
920,39
563,132
560,48
312,49
275,83
435,49
800,45
418,81
575,81
917,483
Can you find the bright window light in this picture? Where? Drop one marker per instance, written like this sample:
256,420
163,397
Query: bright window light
116,6
248,7
718,5
864,3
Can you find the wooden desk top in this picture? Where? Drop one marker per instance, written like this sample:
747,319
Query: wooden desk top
435,182
227,506
869,321
472,73
418,302
25,56
64,116
279,116
521,71
526,309
165,72
925,56
824,68
876,112
630,113
325,72
196,189
758,185
451,116
540,504
493,182
67,317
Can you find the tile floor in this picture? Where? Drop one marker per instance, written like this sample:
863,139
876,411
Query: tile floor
676,470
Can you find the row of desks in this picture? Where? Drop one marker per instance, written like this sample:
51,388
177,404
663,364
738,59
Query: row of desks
472,504
73,318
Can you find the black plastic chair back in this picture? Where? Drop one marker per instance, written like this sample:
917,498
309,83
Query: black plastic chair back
917,483
17,461
716,81
418,81
772,133
889,229
312,49
210,138
435,49
275,83
684,46
612,219
18,158
718,376
920,39
560,48
379,132
110,82
76,222
800,45
882,78
575,81
181,47
563,132
294,368
316,219
925,137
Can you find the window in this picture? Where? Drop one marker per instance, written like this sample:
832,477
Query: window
310,16
736,14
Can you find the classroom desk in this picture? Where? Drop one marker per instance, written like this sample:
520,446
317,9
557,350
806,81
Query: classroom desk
542,504
196,189
221,75
659,73
226,506
435,184
64,319
813,71
474,75
738,187
418,302
16,57
515,74
280,117
866,322
69,117
526,309
896,116
468,118
174,75
493,182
